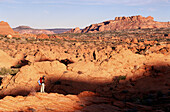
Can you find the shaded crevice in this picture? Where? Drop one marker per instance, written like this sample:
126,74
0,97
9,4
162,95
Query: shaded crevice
21,64
66,61
94,55
1,80
41,60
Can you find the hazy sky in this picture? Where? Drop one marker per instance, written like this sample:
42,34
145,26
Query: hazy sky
77,13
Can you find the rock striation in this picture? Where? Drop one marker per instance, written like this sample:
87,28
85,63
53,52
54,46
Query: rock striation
5,28
123,23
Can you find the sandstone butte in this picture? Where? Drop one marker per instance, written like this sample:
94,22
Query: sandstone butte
123,23
5,28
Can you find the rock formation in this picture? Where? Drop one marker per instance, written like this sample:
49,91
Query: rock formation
42,36
5,28
124,23
84,102
74,30
6,61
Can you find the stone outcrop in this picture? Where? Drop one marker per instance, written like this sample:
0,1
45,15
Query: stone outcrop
6,61
42,36
5,28
124,23
26,79
84,102
74,30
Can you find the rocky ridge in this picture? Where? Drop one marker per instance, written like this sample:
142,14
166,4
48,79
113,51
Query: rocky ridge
123,23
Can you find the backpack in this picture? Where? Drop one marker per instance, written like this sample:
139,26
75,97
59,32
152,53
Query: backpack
40,81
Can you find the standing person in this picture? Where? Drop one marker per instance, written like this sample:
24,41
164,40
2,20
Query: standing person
41,82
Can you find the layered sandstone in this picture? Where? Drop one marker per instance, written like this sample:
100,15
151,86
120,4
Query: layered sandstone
5,28
124,23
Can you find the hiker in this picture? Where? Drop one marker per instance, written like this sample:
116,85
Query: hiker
41,82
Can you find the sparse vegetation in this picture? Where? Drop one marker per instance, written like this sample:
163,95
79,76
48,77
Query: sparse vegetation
5,71
17,66
122,77
117,79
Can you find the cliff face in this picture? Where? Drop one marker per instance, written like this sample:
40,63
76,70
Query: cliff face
123,23
5,28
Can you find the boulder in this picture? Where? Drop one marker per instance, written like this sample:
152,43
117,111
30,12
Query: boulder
135,41
6,61
25,81
42,36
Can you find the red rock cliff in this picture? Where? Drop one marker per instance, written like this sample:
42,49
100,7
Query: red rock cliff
5,28
123,23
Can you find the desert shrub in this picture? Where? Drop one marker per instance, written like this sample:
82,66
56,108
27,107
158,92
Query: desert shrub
158,44
117,79
6,40
80,60
13,71
5,71
122,77
1,35
16,38
168,40
17,66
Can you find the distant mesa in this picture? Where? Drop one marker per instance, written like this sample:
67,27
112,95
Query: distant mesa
5,28
29,30
23,27
123,23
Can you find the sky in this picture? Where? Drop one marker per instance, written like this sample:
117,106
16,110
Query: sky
45,14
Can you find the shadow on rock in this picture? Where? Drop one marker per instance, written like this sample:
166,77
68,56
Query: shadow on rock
149,90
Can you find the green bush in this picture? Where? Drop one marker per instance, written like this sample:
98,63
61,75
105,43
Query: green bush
5,71
122,77
17,66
